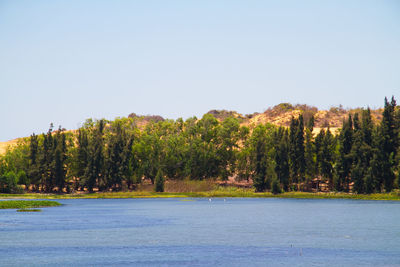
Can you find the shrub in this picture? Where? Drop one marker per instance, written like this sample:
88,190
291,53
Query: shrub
159,183
276,187
8,183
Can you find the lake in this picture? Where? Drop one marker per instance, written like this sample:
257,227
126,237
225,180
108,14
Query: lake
200,232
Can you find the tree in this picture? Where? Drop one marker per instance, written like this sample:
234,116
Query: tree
203,158
309,150
148,151
47,161
344,162
228,135
282,157
34,165
60,157
361,152
374,179
296,150
119,155
82,157
244,162
325,147
260,148
389,143
95,168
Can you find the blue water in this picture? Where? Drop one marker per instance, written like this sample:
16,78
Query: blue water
199,232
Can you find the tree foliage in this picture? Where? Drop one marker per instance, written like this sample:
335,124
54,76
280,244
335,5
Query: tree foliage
364,157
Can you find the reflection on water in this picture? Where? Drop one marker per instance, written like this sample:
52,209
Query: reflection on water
230,232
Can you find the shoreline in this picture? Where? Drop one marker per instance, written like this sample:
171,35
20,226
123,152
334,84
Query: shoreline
219,193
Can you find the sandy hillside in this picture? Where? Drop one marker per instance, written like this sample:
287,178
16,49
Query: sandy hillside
5,145
279,115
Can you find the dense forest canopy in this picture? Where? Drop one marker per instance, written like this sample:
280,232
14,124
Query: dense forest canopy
362,157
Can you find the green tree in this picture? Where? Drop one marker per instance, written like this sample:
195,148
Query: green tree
82,157
227,146
94,172
119,155
309,151
325,147
263,171
345,159
47,161
389,143
34,164
243,165
282,157
361,152
60,157
296,150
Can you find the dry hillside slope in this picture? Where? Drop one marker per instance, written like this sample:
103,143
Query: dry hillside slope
279,115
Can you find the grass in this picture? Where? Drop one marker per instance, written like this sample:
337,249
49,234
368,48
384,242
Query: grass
215,192
29,210
27,204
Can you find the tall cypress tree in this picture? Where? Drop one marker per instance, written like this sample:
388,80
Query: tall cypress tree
325,155
60,156
300,149
374,180
318,150
362,155
282,157
309,150
82,157
344,161
296,150
294,124
260,172
119,156
95,168
34,162
358,168
47,161
389,143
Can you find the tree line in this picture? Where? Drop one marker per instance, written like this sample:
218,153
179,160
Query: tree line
363,157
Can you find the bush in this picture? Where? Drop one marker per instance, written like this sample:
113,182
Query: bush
159,183
276,187
8,183
22,178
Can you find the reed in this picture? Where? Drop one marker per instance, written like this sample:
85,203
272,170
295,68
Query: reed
27,204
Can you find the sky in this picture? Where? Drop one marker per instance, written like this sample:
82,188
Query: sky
63,62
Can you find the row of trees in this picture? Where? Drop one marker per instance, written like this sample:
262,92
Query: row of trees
117,155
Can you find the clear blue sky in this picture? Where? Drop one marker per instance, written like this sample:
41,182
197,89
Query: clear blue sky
66,61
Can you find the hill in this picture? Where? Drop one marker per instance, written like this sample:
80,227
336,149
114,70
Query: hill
282,114
279,115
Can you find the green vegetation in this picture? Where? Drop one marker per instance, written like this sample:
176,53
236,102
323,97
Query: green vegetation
125,155
29,210
27,204
221,192
159,186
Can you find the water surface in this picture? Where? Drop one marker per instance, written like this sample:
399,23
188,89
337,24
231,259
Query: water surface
199,232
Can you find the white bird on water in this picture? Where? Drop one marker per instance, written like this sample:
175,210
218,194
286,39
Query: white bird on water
209,199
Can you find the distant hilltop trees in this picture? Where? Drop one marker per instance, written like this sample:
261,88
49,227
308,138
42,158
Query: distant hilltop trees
288,147
148,118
